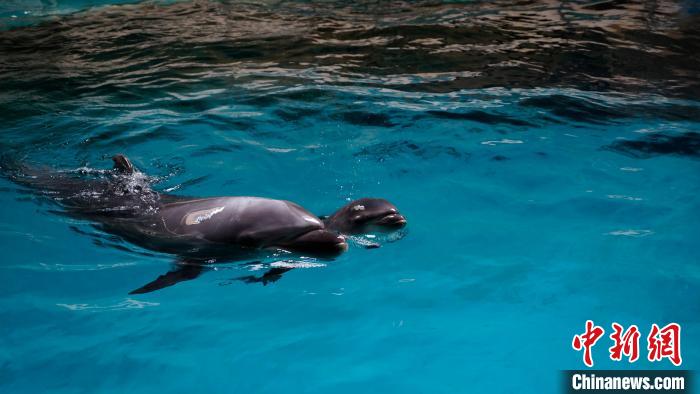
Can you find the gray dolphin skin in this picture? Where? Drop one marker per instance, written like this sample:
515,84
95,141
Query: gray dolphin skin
199,230
366,215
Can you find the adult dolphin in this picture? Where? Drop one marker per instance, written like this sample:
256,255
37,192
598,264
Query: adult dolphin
121,202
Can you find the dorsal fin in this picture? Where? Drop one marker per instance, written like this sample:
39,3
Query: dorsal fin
123,164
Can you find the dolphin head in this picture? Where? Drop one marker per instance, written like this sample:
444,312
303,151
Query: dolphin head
317,243
367,215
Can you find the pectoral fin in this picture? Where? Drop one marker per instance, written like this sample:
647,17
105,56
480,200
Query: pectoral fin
181,273
272,275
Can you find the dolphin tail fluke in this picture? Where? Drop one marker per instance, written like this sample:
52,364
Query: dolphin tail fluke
183,272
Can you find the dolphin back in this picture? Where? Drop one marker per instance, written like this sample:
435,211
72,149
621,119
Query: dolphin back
246,221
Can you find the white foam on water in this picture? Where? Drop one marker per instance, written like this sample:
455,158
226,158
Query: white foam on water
503,141
623,197
280,150
71,267
631,233
124,305
296,264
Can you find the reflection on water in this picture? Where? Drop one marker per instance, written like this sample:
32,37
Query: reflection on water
142,69
157,62
126,52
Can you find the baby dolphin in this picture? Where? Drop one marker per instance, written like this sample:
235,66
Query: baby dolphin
366,215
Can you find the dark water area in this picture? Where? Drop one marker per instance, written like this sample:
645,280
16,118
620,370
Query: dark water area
145,55
130,51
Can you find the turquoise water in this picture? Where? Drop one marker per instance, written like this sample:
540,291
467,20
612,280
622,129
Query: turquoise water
545,156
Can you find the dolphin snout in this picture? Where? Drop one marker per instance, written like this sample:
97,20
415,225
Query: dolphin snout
393,220
319,242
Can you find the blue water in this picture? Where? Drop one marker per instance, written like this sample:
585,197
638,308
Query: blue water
548,169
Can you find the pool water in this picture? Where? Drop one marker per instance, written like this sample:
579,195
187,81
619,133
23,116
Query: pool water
545,154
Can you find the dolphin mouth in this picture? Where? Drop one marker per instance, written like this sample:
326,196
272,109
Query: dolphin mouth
393,220
320,242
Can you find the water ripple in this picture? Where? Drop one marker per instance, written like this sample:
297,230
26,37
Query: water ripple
431,47
124,305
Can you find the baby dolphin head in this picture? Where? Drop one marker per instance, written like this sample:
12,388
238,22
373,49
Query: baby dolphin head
366,215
